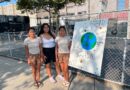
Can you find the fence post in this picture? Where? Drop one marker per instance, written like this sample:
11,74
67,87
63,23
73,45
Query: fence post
9,45
124,57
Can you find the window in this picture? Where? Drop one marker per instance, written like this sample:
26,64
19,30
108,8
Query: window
71,14
83,12
46,17
104,5
121,5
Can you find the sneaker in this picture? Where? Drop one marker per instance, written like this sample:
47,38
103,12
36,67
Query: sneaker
60,77
40,83
52,80
36,84
66,83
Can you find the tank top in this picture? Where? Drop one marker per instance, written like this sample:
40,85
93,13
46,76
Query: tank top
48,43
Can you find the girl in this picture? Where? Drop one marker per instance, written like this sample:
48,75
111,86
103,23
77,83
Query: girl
48,45
34,54
63,43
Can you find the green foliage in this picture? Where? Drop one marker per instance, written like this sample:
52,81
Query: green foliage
56,5
77,1
24,4
48,5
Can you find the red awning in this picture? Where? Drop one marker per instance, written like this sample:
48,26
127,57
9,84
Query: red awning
119,15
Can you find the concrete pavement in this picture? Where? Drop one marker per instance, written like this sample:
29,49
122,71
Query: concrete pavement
17,76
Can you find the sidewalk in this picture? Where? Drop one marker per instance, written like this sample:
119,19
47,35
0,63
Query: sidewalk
17,76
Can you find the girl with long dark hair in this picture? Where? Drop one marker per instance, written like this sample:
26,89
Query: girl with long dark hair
48,44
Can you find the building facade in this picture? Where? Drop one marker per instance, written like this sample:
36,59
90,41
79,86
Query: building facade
91,9
12,10
117,10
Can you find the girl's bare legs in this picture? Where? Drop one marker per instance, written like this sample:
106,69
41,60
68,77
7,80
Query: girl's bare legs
57,67
58,70
64,68
48,69
66,71
38,71
33,71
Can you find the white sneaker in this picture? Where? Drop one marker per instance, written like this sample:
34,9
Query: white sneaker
52,80
60,77
66,83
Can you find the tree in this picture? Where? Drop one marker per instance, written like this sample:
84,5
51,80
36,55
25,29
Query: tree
48,5
25,5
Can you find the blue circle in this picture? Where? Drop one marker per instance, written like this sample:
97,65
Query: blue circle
88,41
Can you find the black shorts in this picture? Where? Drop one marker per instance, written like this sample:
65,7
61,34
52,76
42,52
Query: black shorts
50,54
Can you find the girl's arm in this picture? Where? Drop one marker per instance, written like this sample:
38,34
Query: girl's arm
41,49
27,54
42,57
69,42
27,51
40,46
56,51
69,46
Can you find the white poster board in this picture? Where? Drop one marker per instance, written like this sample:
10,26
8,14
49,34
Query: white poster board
88,45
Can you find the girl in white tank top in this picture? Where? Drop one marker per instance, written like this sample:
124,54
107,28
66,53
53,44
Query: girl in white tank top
49,50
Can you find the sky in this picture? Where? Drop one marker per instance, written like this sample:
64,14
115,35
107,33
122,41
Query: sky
7,3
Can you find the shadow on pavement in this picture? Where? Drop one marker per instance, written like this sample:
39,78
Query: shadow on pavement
10,70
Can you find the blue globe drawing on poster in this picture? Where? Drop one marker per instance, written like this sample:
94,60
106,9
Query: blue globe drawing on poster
88,41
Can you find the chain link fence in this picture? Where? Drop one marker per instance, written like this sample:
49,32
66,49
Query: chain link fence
112,66
11,44
116,60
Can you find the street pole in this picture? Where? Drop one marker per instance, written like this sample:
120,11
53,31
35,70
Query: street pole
50,15
88,9
67,7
